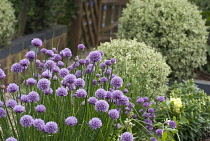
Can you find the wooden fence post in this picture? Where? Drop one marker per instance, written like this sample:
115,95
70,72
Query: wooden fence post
76,30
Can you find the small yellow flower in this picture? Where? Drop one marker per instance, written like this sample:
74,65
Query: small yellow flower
177,102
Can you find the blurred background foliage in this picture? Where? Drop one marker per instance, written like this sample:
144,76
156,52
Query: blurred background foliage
36,15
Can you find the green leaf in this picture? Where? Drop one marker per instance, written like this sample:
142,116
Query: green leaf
165,135
183,120
171,130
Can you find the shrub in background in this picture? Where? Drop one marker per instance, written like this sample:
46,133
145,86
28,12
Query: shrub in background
173,27
7,19
139,64
190,107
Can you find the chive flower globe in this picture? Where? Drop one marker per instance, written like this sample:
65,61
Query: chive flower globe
17,68
101,105
159,132
31,81
95,123
70,78
36,42
40,108
12,88
2,112
24,63
100,93
2,74
11,139
43,84
11,103
33,96
71,121
61,91
92,100
173,27
172,124
95,56
39,124
30,55
139,64
114,114
19,109
51,127
63,72
1,103
81,93
79,83
81,47
26,120
127,136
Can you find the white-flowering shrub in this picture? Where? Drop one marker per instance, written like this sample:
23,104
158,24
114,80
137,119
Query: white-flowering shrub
139,64
7,21
173,27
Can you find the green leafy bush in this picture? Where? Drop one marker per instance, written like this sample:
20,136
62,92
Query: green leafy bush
190,106
173,27
139,64
7,21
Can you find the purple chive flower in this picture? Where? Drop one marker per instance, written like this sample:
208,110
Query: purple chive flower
1,103
113,61
134,116
125,91
94,82
30,55
124,100
140,100
31,81
57,57
81,93
55,69
102,66
2,112
117,94
17,68
11,103
101,105
128,109
159,132
88,70
131,105
36,42
66,53
101,52
24,62
127,136
43,50
108,72
39,124
70,78
47,74
146,104
48,91
108,95
24,98
49,64
75,65
141,110
60,64
145,98
87,61
149,127
108,62
61,91
79,83
2,74
12,88
146,115
51,127
81,47
116,82
19,109
49,53
11,139
78,73
148,121
43,84
151,110
114,114
153,139
100,93
95,123
161,98
172,124
82,61
33,96
95,56
92,100
71,121
26,121
103,80
54,50
40,108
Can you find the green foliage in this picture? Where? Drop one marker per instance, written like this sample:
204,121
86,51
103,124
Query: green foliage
173,27
7,21
193,115
139,64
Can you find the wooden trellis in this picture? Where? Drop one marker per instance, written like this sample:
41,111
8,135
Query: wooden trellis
97,21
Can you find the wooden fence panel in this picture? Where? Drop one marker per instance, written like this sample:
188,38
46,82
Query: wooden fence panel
97,21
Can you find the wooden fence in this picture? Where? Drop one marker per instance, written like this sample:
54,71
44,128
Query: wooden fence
96,21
